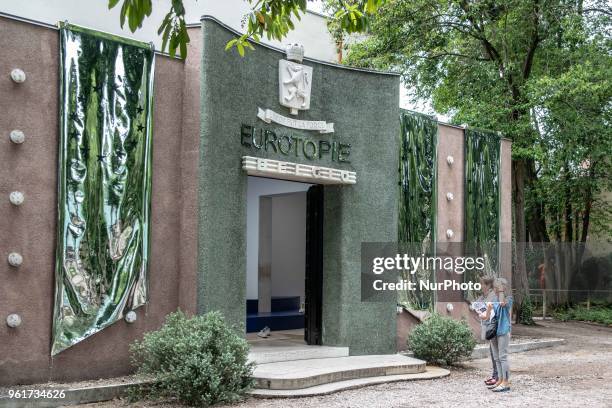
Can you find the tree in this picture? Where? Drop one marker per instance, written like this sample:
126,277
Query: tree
275,18
572,111
480,62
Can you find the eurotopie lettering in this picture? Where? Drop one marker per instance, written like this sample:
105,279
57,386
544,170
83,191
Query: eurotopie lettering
290,145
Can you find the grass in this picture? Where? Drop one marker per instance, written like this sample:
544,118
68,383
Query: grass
596,314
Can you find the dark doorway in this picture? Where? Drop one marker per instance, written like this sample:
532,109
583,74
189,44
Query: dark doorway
314,266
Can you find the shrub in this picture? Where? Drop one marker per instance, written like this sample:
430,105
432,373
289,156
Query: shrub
525,315
595,314
441,340
198,361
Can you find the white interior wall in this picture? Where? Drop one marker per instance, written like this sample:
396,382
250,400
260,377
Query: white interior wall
310,31
257,187
288,244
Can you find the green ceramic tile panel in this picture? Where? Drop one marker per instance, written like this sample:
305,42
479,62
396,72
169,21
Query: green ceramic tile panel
482,196
417,198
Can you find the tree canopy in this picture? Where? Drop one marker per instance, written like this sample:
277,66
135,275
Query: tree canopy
272,18
538,71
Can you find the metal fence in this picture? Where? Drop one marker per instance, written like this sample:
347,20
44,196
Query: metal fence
543,299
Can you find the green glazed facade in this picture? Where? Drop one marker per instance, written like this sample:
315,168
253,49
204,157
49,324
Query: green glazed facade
417,198
364,109
482,196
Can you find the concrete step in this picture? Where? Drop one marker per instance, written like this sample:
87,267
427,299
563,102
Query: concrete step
324,389
279,351
295,375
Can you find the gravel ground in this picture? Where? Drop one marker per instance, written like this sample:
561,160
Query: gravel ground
577,374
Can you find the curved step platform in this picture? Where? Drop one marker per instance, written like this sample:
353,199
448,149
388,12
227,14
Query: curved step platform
284,351
298,375
324,389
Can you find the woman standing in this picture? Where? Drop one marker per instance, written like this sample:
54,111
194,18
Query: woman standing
480,306
499,344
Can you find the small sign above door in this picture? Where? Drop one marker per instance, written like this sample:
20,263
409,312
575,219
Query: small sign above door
257,166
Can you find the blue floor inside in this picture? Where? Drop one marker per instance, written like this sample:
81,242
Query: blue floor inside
284,315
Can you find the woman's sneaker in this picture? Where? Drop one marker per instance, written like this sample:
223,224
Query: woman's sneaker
491,381
501,388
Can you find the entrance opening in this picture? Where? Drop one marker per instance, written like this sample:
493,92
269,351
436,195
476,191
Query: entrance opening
284,268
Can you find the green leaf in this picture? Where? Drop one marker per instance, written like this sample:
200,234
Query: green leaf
132,20
124,9
230,44
183,48
147,7
272,17
371,6
166,35
173,44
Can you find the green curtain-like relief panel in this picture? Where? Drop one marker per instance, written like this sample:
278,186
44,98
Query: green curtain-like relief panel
417,202
104,194
482,190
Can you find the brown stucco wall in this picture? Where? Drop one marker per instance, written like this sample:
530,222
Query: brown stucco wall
505,222
405,323
451,215
189,156
30,229
31,168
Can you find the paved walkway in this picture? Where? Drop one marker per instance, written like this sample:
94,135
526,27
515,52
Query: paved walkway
577,374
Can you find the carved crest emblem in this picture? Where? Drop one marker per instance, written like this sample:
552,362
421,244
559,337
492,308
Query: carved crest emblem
294,80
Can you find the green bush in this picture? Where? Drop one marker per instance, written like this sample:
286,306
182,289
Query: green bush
525,315
597,314
197,361
441,340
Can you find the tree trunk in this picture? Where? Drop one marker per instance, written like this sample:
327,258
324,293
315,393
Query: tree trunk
584,234
586,215
535,215
576,225
567,212
569,230
556,270
519,277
